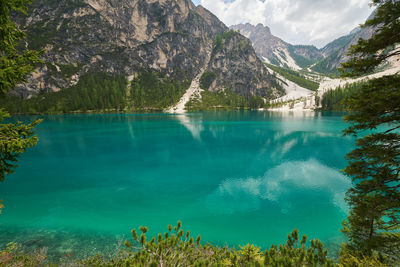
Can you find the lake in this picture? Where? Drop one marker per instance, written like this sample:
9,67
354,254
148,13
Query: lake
233,177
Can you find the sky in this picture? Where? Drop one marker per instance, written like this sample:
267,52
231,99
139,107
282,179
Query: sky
308,22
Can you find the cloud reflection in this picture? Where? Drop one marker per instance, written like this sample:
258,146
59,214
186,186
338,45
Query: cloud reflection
284,186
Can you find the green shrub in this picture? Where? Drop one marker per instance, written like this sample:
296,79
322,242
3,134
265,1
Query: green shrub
177,247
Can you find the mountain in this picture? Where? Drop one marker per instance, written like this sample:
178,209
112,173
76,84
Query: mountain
171,41
276,51
335,52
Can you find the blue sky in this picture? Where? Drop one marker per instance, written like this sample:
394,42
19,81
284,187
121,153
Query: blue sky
315,22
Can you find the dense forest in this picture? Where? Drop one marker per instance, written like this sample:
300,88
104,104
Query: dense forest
102,92
93,92
154,91
336,99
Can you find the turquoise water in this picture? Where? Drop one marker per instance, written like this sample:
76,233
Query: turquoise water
233,177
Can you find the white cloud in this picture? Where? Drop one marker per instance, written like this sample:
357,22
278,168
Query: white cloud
295,21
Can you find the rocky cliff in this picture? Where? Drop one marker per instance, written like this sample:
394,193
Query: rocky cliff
276,51
233,61
128,37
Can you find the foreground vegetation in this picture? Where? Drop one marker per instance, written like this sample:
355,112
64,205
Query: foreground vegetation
176,247
373,224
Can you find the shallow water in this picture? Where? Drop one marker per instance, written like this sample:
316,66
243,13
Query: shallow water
233,177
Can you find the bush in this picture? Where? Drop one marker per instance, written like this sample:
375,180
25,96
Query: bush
178,248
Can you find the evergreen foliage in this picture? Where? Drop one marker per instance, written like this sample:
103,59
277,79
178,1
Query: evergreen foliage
93,92
224,100
367,55
336,99
154,91
373,225
14,67
177,247
295,77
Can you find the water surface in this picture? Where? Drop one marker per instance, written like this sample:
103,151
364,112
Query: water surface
233,177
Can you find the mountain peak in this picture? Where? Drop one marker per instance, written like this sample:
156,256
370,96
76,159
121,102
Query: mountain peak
172,38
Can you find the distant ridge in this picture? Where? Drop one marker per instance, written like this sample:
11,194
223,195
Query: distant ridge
275,51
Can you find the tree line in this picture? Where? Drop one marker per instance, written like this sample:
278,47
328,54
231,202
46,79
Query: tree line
336,99
225,100
93,92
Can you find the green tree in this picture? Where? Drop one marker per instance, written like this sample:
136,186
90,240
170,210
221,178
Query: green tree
14,67
373,225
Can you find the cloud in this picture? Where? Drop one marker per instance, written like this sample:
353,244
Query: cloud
297,22
287,185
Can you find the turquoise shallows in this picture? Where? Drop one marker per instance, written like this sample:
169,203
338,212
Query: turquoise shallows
233,177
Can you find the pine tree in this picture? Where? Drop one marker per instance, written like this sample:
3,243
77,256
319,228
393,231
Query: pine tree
14,67
373,225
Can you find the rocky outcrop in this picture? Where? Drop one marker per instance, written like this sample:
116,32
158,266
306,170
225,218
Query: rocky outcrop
238,68
124,37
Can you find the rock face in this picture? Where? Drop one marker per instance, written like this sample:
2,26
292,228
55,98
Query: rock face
128,37
275,50
233,61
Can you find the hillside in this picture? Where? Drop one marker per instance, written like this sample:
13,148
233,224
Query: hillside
170,40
